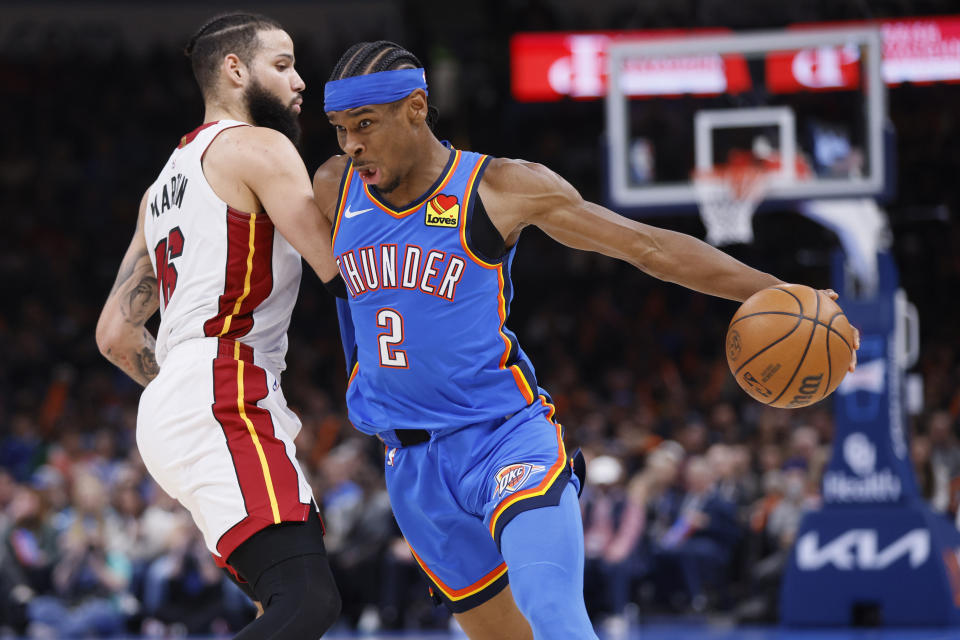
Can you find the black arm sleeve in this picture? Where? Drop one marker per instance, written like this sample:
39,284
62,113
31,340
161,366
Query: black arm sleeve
337,287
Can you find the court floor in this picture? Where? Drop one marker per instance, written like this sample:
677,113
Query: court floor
686,631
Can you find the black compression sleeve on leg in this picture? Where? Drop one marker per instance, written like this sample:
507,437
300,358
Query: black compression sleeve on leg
245,587
300,601
286,566
275,543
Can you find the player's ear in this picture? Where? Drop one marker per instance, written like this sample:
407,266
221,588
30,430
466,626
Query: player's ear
416,107
233,69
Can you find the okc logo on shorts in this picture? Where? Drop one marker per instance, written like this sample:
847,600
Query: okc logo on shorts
514,476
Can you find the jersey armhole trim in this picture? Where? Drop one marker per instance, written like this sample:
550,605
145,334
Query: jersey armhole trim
482,235
473,185
230,210
342,193
210,141
188,138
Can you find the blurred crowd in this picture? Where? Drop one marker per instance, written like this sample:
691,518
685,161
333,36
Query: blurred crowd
694,492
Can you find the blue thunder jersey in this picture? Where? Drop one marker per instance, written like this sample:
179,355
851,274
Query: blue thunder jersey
424,327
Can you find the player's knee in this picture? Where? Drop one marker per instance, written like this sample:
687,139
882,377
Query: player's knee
554,613
328,605
540,602
319,600
300,597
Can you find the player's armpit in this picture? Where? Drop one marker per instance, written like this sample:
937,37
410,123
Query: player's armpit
521,193
121,335
273,169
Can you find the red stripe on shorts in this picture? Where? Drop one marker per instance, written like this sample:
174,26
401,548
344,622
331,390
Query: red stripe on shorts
268,480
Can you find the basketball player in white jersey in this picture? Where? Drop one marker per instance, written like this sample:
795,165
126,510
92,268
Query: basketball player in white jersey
217,248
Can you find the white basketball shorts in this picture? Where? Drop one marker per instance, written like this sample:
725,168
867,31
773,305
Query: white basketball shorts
215,432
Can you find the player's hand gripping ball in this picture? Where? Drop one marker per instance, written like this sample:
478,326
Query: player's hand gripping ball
790,346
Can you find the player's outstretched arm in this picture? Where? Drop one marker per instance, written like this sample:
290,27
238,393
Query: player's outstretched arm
518,193
121,335
273,169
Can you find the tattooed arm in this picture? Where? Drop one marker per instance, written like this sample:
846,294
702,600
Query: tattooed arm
121,335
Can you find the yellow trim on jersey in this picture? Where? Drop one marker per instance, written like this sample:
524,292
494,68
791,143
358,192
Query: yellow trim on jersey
246,278
253,434
463,219
342,202
519,378
399,214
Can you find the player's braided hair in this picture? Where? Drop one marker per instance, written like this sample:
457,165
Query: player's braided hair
224,34
365,58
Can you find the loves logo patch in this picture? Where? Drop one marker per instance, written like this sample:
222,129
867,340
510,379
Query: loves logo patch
443,211
514,476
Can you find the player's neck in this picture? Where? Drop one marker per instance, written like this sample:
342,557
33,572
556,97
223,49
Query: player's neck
431,160
215,111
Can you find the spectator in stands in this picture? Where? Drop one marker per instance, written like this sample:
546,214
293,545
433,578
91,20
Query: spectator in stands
747,481
792,494
613,522
27,555
944,456
402,585
89,593
721,459
8,489
725,424
655,487
20,449
367,529
699,544
183,589
921,456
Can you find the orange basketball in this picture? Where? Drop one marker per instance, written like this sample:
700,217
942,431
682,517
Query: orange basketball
789,346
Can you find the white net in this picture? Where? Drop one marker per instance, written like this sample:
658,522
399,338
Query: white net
728,198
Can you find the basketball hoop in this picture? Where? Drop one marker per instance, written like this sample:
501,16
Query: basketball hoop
728,195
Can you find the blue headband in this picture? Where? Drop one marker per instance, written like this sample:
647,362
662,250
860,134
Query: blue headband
374,88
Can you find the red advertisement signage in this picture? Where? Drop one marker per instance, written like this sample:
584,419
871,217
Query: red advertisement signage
549,66
820,69
552,66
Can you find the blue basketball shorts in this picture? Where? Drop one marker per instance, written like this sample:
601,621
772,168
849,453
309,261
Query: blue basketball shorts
452,497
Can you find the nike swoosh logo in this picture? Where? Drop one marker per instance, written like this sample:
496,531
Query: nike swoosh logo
349,214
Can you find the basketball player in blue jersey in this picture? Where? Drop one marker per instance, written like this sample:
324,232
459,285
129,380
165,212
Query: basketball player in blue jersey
424,236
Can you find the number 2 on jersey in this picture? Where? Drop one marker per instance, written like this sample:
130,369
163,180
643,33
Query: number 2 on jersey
390,356
167,249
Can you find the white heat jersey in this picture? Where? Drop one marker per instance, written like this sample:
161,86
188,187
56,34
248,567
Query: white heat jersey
221,273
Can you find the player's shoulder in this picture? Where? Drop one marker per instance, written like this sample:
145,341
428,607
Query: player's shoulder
326,179
257,147
512,175
330,172
251,154
250,139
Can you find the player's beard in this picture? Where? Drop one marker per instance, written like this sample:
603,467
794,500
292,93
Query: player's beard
267,110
